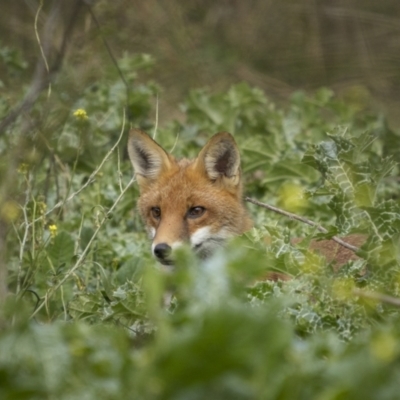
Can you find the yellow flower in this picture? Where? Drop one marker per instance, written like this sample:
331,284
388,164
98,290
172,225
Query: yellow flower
313,262
10,211
41,207
23,168
80,114
53,230
343,288
292,198
384,347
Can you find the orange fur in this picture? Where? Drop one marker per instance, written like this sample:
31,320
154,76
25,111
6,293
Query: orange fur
211,181
334,252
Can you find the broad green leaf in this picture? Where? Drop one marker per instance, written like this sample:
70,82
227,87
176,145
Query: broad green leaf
61,249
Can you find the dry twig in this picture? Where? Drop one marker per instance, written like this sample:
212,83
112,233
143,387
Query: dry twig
304,220
383,298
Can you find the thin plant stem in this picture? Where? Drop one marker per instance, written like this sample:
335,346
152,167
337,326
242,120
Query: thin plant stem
81,258
40,44
304,220
156,124
383,298
26,232
91,177
175,143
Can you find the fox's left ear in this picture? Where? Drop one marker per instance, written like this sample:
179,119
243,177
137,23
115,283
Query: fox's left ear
220,159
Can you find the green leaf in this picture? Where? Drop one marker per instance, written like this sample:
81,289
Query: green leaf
61,249
384,219
348,175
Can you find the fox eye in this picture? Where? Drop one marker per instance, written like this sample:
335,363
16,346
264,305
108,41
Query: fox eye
195,212
156,212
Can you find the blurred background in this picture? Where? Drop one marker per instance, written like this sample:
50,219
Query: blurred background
352,46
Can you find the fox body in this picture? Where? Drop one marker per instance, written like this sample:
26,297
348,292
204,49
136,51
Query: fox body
194,201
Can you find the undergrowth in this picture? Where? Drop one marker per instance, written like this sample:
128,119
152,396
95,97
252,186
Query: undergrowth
86,315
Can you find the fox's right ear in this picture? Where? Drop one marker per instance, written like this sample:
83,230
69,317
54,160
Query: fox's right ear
147,157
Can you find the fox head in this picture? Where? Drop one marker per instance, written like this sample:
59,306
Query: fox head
194,201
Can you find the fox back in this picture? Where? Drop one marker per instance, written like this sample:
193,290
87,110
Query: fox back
194,201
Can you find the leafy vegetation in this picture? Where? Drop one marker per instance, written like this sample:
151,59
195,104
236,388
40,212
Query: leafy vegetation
87,315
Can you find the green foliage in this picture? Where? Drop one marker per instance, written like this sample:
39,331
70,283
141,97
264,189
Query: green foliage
88,314
12,59
61,250
65,361
351,176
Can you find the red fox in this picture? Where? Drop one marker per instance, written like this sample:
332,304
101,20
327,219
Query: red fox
198,201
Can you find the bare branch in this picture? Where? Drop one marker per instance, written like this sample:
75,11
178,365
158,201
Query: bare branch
45,74
304,220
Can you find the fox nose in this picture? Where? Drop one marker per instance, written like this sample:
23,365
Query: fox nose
162,251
